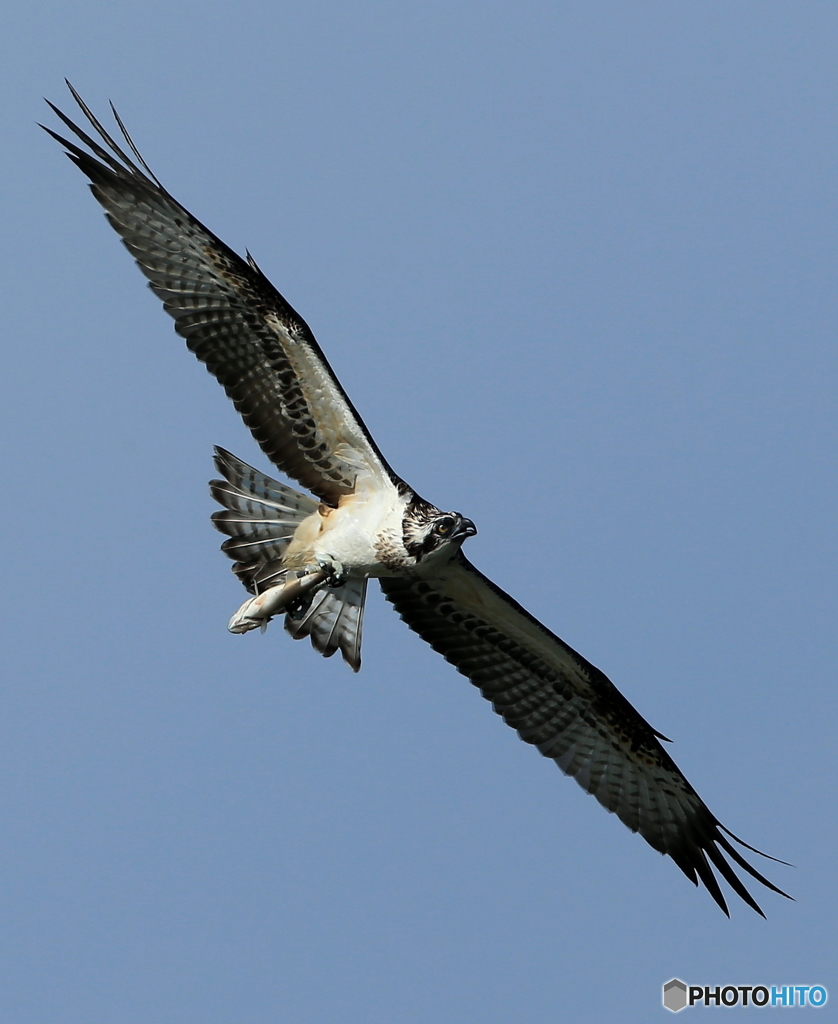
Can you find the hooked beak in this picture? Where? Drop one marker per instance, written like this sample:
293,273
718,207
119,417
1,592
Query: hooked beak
465,529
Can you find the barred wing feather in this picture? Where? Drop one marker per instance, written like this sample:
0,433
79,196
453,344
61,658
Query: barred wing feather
234,320
571,711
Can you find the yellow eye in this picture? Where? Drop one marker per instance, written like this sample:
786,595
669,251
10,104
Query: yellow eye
444,527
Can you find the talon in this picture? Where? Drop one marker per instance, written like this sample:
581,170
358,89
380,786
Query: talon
336,574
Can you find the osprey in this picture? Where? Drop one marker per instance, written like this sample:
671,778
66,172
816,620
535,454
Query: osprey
310,558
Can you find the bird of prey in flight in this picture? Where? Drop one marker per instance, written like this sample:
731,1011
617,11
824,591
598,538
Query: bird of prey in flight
309,558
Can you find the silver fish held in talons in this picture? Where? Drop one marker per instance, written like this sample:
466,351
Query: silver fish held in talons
257,611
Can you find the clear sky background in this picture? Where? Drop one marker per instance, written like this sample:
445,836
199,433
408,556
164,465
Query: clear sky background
575,264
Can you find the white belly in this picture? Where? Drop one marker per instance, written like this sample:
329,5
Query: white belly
356,534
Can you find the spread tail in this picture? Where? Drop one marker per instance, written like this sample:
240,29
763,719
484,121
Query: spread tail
260,516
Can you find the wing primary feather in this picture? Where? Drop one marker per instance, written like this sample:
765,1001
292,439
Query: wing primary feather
753,849
109,140
133,148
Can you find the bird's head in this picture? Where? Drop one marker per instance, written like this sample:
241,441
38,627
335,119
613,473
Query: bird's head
429,532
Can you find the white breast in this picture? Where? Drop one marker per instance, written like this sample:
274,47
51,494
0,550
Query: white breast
355,534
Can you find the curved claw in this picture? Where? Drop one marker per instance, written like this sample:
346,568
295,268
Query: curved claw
336,574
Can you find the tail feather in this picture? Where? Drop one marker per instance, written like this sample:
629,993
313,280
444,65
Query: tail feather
334,621
259,518
251,484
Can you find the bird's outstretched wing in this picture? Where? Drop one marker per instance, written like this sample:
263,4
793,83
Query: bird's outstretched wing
573,713
234,320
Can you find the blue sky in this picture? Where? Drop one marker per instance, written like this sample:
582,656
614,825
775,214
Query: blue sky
575,265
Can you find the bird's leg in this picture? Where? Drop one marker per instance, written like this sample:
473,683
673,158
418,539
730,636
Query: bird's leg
295,592
336,576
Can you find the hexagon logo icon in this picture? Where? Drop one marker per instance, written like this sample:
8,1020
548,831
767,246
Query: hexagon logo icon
675,995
